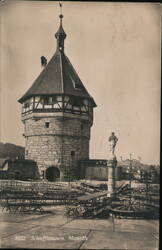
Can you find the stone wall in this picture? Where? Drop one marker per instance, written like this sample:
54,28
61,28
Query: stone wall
96,173
97,170
62,144
57,126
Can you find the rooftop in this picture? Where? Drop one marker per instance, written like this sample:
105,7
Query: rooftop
58,76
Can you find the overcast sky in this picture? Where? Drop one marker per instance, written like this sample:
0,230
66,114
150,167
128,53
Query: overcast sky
115,49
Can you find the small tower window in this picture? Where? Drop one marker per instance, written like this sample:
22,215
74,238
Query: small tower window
43,174
46,100
72,153
85,102
81,127
49,100
26,105
47,124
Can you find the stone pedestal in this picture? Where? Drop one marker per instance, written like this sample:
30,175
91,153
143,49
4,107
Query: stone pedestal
111,164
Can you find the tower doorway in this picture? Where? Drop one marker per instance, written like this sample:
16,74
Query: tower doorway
53,174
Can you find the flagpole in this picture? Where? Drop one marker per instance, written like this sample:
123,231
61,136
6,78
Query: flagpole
60,8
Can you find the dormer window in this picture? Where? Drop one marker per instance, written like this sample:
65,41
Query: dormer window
75,84
78,86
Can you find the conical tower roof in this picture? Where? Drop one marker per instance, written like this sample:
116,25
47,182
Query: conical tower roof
59,76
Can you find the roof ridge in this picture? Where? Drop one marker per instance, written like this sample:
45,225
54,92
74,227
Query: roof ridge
61,66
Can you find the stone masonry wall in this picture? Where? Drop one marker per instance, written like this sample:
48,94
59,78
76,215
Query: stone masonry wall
62,144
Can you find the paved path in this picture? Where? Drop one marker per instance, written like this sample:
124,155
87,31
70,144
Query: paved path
54,231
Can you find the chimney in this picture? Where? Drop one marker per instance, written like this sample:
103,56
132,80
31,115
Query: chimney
43,61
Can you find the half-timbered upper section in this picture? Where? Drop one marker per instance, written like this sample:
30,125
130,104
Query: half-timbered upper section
58,88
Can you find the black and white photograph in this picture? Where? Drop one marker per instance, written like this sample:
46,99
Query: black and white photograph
80,95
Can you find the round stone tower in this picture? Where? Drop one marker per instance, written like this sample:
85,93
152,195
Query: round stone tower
57,112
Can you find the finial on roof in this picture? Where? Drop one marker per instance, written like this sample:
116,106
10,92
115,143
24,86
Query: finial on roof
61,17
60,34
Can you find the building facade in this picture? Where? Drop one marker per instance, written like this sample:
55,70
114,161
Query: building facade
57,112
19,169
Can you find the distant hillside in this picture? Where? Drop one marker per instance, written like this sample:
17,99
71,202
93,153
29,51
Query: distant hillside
11,150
